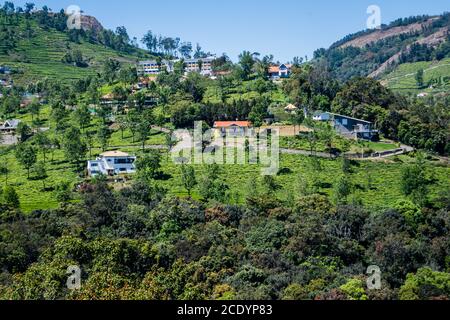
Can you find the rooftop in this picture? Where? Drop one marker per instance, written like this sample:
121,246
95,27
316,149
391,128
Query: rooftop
112,154
320,113
227,124
13,123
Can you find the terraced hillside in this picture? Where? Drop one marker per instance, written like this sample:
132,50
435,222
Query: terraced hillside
40,55
436,76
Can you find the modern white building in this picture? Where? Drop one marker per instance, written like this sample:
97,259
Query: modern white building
112,163
152,67
200,65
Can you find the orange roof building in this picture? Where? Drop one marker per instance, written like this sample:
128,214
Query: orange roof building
232,128
228,124
281,71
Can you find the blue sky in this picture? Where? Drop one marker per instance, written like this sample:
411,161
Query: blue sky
285,28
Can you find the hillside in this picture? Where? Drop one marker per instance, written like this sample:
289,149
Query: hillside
35,51
436,76
378,35
375,53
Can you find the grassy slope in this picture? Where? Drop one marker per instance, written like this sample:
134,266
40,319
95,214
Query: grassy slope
385,176
385,179
403,79
41,56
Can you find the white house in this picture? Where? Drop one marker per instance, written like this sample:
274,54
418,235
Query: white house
152,67
201,65
10,126
280,72
112,163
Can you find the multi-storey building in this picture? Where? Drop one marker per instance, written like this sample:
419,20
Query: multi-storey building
200,65
112,163
152,67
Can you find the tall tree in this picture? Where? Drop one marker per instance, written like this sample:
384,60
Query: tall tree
414,181
41,173
44,143
263,65
74,147
29,6
246,62
27,156
4,171
11,197
150,41
122,122
103,136
188,178
35,109
23,131
82,117
185,50
149,164
420,78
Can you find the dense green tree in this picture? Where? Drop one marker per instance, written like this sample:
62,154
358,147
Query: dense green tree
188,178
41,173
27,156
4,171
426,284
82,117
149,164
420,78
103,136
23,131
44,143
11,197
342,189
10,106
35,109
414,181
74,147
246,61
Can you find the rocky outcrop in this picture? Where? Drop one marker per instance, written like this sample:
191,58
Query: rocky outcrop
91,23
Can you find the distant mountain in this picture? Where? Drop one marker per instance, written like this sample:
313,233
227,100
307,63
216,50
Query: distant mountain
376,53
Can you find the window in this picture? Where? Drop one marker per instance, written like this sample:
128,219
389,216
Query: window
123,161
344,122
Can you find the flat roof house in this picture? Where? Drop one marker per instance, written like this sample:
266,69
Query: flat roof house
9,126
152,67
193,65
112,163
148,67
348,126
233,128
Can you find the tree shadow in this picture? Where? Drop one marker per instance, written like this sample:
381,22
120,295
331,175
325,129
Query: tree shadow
162,176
